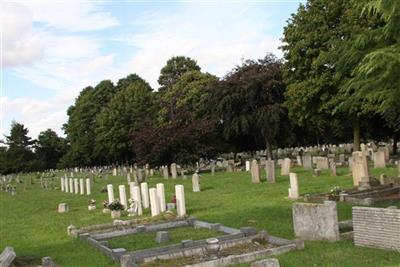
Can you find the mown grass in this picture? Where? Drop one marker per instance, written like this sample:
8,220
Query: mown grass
147,240
29,221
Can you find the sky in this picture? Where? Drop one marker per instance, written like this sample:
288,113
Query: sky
51,50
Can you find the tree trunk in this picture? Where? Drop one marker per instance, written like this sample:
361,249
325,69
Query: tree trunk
269,149
356,135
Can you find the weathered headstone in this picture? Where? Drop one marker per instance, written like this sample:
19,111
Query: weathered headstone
174,171
162,237
7,257
294,186
255,171
316,221
180,200
359,168
270,262
379,159
307,162
63,207
270,169
212,166
322,163
285,167
165,172
332,167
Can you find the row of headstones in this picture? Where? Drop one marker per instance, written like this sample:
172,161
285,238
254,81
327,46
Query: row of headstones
75,185
145,197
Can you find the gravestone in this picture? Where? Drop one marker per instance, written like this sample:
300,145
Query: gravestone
298,159
307,162
360,169
154,202
122,196
379,159
81,186
62,184
270,262
255,171
71,185
144,188
88,187
7,257
66,184
285,167
165,172
161,196
322,163
180,200
135,195
294,186
162,237
316,221
332,166
63,207
196,182
174,172
76,186
247,165
110,193
270,169
212,166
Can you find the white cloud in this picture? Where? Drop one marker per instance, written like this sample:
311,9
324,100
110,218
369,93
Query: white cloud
217,36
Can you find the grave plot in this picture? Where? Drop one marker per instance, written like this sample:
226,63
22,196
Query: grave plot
184,242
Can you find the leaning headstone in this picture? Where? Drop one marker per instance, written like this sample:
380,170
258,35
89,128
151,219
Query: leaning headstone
270,169
174,171
122,196
7,257
255,172
154,202
270,262
379,159
63,207
294,186
161,196
196,182
180,200
285,167
144,188
316,221
162,237
110,193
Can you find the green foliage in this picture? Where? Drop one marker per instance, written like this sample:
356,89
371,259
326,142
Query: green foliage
174,69
129,110
50,148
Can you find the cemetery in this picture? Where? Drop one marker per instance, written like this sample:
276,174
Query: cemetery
200,133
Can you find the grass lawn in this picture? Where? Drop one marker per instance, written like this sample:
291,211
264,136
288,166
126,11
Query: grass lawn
147,240
29,221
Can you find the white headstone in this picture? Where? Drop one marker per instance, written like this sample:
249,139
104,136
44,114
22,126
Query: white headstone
110,192
154,202
66,185
294,186
285,167
62,184
122,196
71,185
88,187
180,200
76,186
165,172
81,186
144,187
135,195
161,196
196,182
174,172
379,159
247,165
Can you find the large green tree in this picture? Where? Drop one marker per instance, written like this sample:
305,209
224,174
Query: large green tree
249,102
313,40
50,148
125,114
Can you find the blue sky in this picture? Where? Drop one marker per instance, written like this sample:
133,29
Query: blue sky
51,50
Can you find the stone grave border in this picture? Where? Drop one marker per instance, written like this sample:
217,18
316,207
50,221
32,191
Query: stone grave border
230,237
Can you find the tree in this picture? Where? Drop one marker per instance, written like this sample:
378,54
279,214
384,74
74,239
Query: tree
187,97
174,69
50,148
81,122
18,156
250,102
312,41
125,114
